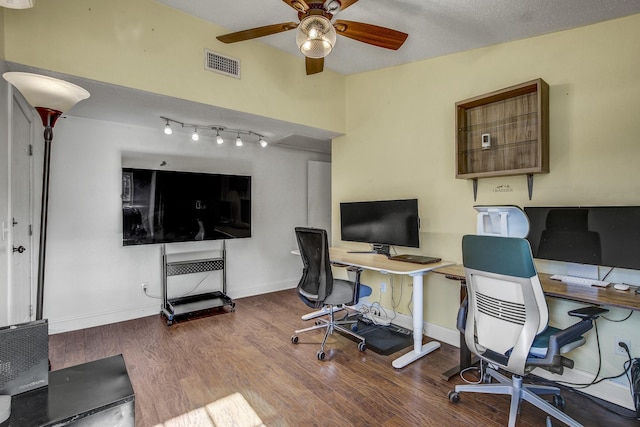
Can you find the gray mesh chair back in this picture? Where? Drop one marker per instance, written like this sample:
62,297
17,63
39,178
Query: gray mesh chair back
317,279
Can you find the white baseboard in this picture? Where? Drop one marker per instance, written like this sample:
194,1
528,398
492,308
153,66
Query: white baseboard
57,326
67,324
608,390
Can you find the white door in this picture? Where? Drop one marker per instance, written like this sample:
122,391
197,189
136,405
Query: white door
21,286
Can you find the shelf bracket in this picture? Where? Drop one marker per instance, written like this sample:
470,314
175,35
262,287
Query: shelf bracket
475,189
530,184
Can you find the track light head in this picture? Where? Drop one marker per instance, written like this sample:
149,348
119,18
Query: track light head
194,135
167,129
238,141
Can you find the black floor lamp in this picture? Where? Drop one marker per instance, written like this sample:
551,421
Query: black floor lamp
51,98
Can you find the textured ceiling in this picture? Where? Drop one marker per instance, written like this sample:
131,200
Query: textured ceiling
435,27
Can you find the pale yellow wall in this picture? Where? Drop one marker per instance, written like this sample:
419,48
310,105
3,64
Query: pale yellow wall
148,46
400,143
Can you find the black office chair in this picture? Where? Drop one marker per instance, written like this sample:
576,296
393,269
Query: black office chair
505,324
318,289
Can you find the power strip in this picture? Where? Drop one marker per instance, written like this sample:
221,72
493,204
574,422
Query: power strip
377,320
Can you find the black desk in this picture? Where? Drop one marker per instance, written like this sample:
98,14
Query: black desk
90,394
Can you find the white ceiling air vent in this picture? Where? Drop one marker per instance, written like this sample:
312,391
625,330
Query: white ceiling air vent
221,64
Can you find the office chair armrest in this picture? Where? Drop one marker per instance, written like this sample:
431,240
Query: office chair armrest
356,288
588,312
558,340
461,322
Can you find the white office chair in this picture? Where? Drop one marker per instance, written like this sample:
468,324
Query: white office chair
506,324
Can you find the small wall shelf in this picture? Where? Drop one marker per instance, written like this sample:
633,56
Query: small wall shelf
504,133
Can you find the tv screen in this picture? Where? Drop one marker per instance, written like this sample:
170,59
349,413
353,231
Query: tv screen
602,235
169,206
384,222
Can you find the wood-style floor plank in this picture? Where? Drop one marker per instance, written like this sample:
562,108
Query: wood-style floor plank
177,369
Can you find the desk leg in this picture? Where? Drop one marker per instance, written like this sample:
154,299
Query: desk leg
419,350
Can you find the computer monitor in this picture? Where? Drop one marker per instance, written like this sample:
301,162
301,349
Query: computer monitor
381,223
597,235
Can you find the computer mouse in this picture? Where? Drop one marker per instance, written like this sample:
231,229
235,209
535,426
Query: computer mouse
621,287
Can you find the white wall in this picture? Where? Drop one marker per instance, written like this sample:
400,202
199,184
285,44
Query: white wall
4,193
92,279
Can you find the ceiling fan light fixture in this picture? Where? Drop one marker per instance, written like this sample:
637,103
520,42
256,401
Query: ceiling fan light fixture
316,36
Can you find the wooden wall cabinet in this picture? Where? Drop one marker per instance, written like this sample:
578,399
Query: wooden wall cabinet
503,133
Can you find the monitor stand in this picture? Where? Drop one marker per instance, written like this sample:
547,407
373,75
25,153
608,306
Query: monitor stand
381,249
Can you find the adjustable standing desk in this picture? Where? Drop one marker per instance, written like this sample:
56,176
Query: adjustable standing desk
382,264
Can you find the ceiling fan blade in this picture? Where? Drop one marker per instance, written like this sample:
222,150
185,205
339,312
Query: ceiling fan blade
346,3
299,5
256,32
371,34
314,65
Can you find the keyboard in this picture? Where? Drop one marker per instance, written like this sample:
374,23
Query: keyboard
580,280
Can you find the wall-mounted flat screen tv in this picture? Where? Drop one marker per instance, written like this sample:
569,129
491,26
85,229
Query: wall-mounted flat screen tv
169,206
381,222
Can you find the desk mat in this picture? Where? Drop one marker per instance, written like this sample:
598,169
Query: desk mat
381,339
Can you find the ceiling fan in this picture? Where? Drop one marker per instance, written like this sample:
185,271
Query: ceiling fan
316,34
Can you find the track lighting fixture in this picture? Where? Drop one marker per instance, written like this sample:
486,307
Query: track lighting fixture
207,130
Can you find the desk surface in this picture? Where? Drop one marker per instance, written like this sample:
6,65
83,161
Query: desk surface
588,294
381,263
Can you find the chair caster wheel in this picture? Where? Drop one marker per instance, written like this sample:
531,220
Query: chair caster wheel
362,346
559,402
294,339
454,397
320,355
354,327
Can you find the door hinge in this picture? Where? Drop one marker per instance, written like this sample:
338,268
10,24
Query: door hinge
30,310
30,230
31,149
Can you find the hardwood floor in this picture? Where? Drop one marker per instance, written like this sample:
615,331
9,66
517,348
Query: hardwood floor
183,367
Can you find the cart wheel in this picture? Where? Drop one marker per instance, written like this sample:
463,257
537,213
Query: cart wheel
454,397
354,327
486,378
320,354
294,339
362,346
169,322
559,402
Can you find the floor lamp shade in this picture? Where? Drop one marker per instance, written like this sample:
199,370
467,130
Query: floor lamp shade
46,92
50,97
